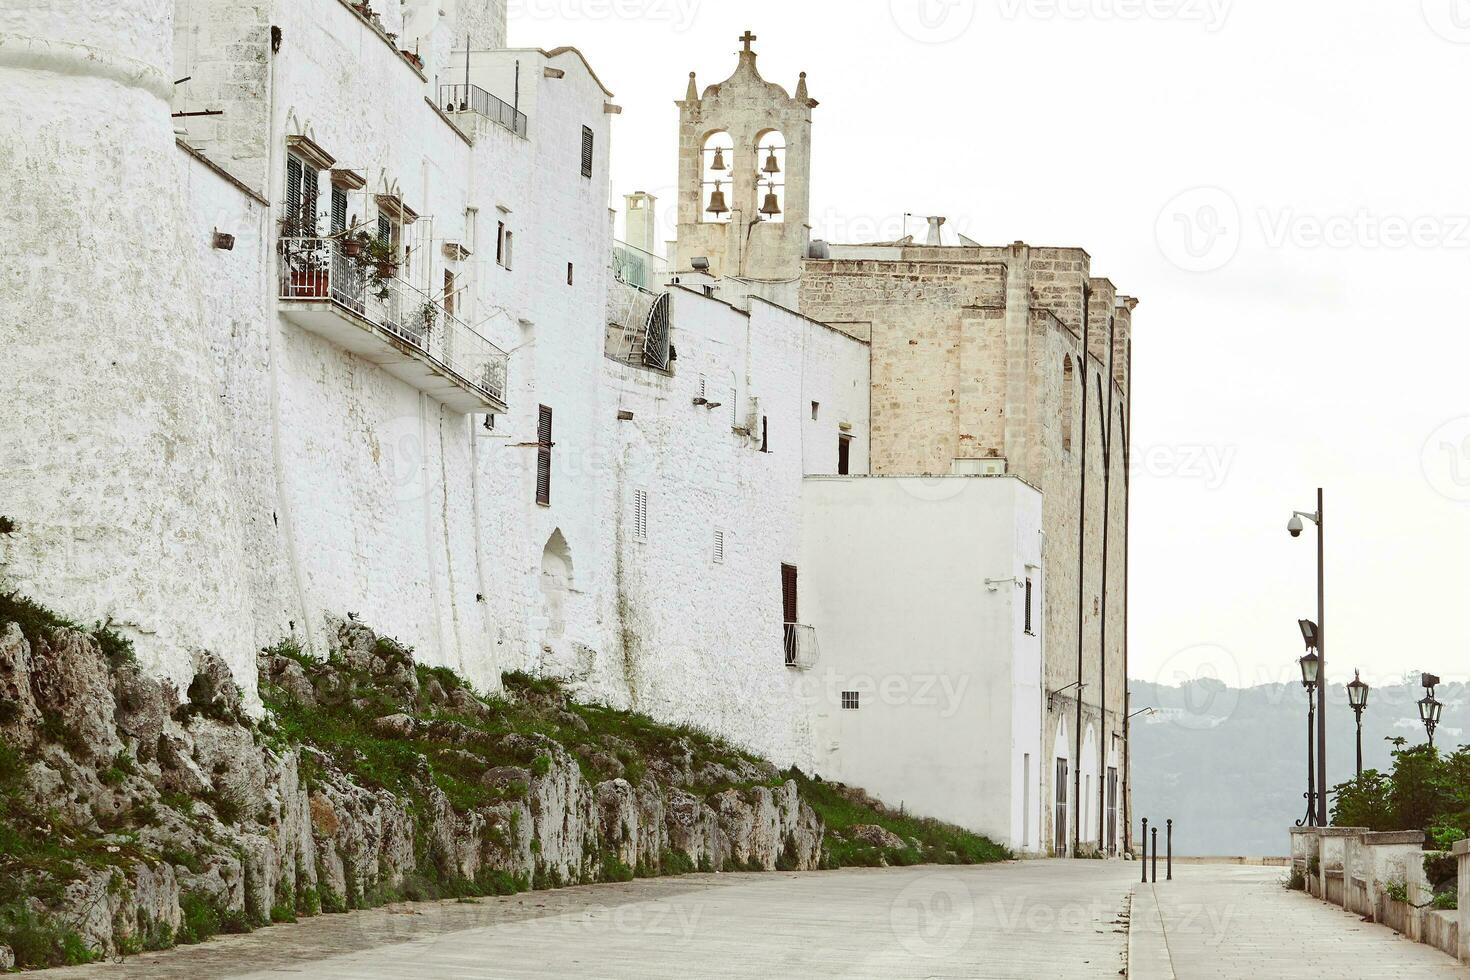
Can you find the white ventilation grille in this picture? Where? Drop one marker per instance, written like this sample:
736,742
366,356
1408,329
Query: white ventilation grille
719,547
640,514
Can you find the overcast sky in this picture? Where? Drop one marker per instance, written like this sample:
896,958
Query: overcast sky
1282,184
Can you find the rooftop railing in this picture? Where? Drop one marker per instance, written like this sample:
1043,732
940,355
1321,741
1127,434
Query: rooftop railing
322,269
472,98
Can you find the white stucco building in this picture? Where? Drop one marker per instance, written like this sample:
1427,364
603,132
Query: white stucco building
354,337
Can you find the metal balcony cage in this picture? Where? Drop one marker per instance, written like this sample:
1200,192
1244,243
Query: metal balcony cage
322,270
801,646
472,98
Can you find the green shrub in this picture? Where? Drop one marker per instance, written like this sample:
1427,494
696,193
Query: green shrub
40,940
199,919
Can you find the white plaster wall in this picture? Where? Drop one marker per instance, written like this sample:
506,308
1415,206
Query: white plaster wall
113,455
894,579
701,641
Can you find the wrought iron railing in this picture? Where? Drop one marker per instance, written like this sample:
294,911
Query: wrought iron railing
632,264
472,98
656,334
322,269
801,646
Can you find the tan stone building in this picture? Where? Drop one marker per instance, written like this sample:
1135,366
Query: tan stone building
986,361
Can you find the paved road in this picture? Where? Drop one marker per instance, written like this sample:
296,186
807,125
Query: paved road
1041,919
1032,919
1218,921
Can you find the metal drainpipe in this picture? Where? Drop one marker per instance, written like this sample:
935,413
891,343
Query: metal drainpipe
1127,760
1105,738
1081,579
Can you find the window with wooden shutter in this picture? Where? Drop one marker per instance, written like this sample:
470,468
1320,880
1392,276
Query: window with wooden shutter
543,458
294,169
339,210
788,614
586,151
308,202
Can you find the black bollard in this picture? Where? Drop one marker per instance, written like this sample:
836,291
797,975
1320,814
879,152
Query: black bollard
1169,852
1156,855
1145,850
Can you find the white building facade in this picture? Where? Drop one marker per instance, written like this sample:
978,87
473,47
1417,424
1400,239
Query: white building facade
350,341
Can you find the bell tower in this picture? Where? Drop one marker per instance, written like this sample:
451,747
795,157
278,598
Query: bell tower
745,175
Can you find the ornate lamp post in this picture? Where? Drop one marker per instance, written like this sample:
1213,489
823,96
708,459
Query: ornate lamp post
1311,665
1357,693
1429,707
1295,529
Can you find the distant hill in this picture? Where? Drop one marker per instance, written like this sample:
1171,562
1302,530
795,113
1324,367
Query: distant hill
1229,765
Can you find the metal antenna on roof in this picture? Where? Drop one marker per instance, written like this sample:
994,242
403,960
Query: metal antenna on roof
467,67
517,105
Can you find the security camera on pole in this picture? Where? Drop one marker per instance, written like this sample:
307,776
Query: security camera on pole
1295,528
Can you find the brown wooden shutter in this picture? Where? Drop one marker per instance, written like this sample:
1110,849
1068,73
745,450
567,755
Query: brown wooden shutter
308,202
788,593
543,457
293,196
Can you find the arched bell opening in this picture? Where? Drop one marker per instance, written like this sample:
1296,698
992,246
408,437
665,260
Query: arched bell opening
770,156
717,161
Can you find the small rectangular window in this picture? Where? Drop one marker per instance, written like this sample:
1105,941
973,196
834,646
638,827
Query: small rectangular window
569,273
815,407
765,435
850,700
640,514
500,244
543,457
719,547
586,151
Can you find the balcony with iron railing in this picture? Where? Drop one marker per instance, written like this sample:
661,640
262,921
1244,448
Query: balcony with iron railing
329,287
801,646
472,98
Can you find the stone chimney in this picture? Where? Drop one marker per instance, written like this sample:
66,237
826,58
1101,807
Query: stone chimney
640,212
935,223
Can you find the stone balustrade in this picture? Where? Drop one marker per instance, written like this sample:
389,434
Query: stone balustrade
1380,877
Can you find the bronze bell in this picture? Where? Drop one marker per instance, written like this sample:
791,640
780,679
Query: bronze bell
719,163
717,204
771,207
771,167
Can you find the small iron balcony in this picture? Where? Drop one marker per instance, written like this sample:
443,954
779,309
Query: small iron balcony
376,315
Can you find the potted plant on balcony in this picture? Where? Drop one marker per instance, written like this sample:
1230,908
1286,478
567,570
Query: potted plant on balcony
428,315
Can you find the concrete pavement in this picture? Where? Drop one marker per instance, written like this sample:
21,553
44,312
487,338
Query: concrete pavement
1229,921
1032,919
1066,919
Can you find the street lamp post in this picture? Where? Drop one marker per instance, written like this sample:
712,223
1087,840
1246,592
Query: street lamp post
1357,693
1295,528
1430,707
1311,665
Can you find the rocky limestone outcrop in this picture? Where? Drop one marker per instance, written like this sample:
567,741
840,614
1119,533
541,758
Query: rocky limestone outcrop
195,803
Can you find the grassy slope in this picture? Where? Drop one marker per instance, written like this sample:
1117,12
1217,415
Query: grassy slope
39,853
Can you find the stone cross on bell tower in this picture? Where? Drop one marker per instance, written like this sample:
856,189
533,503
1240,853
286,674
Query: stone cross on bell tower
745,174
